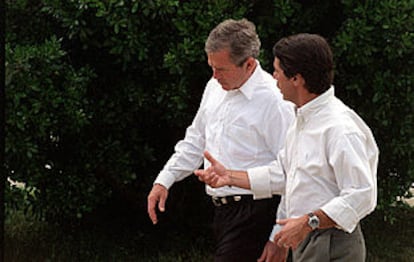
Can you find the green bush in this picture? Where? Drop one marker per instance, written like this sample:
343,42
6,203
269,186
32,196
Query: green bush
46,113
98,92
375,62
142,90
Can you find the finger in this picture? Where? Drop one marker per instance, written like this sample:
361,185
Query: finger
210,158
213,182
262,257
161,204
200,178
199,173
282,221
279,241
151,211
276,238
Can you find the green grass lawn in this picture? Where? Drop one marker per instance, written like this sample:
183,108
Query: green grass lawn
30,240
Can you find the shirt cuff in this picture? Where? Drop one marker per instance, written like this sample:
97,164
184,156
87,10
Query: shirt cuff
259,178
344,216
276,229
166,179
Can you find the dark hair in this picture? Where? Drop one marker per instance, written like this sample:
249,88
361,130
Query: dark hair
308,55
238,36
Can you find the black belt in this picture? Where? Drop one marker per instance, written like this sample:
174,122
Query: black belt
219,201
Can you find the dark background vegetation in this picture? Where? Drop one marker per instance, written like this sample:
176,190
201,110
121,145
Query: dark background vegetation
99,92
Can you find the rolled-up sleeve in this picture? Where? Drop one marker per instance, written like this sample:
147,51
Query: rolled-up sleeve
354,162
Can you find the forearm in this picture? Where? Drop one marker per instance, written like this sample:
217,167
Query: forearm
238,178
324,220
187,157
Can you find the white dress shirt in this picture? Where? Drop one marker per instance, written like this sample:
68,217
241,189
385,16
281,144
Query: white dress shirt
242,128
329,162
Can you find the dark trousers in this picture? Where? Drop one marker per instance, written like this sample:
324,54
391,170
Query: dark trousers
243,228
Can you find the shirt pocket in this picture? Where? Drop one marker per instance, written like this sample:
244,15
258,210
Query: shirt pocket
311,159
242,143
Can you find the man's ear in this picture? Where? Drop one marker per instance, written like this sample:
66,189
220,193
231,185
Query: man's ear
298,80
250,63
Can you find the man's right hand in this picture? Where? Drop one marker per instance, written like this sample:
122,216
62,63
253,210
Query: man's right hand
158,195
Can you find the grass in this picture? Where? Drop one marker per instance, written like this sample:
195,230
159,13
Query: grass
120,240
29,240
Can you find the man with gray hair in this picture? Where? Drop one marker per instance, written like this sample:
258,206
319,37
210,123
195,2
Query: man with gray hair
243,120
327,169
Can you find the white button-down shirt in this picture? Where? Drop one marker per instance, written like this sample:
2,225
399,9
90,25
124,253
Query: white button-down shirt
242,128
329,162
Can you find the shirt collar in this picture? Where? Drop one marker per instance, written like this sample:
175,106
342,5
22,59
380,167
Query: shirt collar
316,104
247,89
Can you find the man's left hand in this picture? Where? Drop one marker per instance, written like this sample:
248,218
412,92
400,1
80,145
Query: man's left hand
293,232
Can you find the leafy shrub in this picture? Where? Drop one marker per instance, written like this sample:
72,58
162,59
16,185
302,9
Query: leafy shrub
374,51
98,96
46,112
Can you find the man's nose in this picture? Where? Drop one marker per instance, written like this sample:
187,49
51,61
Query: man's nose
216,74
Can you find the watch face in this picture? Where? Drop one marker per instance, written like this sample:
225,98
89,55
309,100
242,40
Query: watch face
313,222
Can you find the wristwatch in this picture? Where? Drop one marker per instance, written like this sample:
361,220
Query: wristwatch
313,221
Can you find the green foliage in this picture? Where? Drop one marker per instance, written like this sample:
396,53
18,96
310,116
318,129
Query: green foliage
46,113
20,197
22,17
279,18
98,92
375,57
142,88
386,241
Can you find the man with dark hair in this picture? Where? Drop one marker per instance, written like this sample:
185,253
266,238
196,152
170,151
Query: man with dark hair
243,119
326,171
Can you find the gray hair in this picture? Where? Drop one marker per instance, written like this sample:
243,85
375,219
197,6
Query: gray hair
238,36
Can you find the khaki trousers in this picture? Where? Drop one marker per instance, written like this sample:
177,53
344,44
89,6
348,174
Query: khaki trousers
332,245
